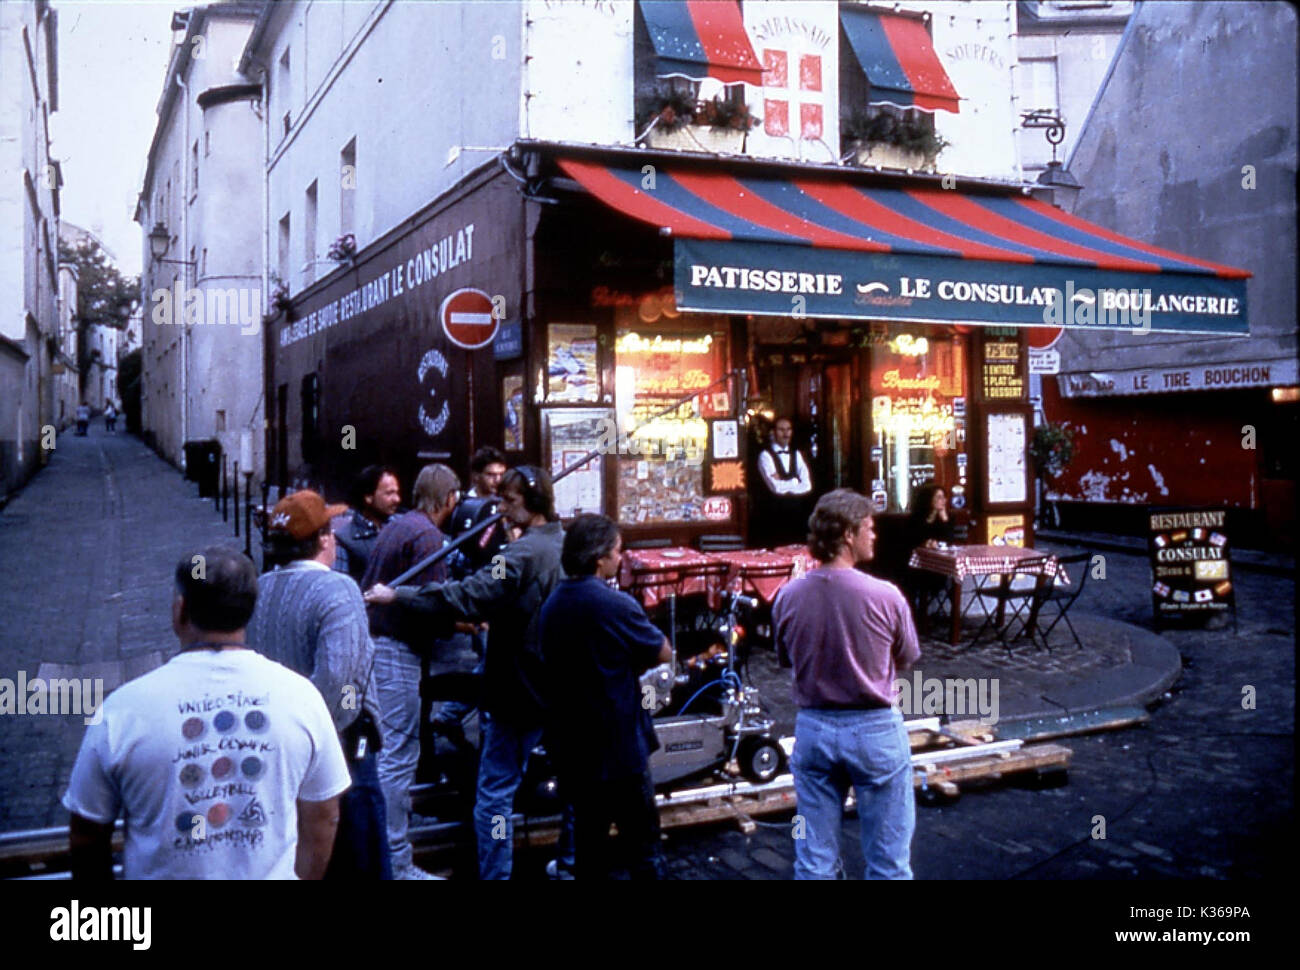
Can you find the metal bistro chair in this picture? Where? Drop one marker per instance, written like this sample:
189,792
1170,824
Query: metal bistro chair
1020,587
1062,596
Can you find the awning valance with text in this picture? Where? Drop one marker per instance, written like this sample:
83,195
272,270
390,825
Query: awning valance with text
826,247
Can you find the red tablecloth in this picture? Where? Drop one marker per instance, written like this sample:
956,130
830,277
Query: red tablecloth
763,571
654,574
962,561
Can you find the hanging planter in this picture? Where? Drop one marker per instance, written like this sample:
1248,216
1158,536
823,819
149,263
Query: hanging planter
884,139
680,123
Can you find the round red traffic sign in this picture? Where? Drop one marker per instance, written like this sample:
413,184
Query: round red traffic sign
467,318
1040,338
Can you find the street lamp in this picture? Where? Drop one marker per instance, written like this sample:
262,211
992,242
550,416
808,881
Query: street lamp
160,241
1063,187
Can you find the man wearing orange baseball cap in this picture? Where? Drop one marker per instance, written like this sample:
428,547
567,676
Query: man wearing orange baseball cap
312,620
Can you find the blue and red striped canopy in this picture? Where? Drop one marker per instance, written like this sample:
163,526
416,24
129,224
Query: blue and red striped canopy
701,38
839,215
898,58
837,248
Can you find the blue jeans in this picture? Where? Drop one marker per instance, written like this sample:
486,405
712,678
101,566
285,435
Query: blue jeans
865,749
361,847
397,680
500,770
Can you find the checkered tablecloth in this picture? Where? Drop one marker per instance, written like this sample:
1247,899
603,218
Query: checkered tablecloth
654,574
962,561
748,566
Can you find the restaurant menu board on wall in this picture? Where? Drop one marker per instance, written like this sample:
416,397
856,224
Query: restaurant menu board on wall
571,376
1001,374
1189,561
1006,530
570,435
1006,458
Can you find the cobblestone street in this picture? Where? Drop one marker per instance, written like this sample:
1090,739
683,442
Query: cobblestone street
87,551
1202,790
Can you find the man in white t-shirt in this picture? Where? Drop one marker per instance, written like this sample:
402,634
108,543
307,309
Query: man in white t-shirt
223,764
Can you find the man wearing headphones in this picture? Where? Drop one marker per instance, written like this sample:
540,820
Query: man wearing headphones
508,594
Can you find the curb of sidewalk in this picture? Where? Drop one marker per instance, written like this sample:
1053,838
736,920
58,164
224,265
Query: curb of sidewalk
1155,667
1276,564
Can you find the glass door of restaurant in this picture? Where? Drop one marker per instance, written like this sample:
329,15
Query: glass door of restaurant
816,389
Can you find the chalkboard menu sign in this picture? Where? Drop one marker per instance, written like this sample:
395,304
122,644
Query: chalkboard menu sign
1190,574
1001,375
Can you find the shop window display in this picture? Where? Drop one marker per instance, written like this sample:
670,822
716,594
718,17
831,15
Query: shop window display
661,474
918,398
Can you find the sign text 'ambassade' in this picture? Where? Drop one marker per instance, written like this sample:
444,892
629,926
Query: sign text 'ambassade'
766,278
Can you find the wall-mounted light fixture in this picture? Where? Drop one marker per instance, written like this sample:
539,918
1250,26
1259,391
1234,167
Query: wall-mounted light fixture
1065,188
160,241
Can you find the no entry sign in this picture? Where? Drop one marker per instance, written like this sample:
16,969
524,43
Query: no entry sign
467,318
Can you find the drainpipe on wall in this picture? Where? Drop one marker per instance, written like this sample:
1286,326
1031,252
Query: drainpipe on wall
185,239
266,268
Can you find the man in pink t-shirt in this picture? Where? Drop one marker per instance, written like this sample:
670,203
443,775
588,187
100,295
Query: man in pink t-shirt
848,636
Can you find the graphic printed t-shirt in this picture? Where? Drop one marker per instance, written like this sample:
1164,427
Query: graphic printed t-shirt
205,758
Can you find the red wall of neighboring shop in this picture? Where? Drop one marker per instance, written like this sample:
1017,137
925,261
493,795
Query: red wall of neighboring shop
1175,449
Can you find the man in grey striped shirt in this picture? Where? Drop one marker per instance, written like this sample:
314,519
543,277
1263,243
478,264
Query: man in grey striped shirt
313,621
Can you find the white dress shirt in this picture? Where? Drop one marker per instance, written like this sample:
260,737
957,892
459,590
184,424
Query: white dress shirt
801,484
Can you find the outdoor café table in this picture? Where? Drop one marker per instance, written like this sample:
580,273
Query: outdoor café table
653,575
958,562
752,569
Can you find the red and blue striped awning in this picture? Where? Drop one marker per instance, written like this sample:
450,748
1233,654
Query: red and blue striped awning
899,60
884,236
696,39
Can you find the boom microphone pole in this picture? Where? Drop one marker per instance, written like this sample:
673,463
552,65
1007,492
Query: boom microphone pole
492,520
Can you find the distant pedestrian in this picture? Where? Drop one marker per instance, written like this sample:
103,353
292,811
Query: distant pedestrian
223,764
83,418
376,496
848,635
403,646
110,418
507,594
596,642
312,620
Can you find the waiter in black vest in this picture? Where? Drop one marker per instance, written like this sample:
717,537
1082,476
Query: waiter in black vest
787,483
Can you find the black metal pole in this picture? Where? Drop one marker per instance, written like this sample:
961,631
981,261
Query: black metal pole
236,500
225,490
266,511
492,520
248,514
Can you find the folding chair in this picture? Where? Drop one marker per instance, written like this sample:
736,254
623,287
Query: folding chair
1019,587
925,589
1062,596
